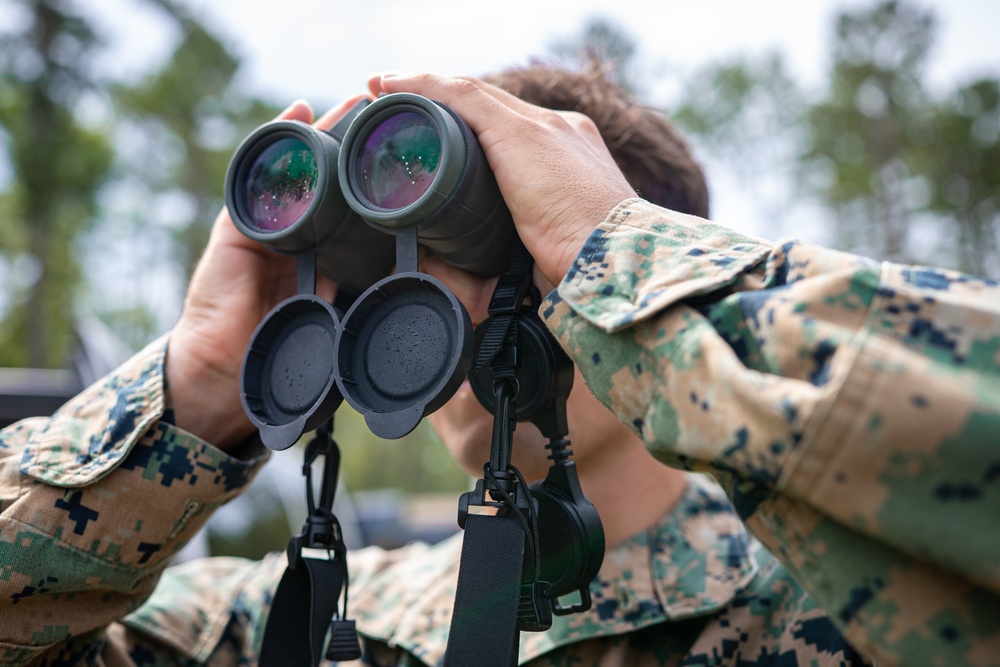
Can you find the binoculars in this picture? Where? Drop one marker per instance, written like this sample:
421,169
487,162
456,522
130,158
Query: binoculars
353,203
400,162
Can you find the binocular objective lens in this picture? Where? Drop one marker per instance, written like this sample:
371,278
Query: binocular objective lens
281,184
398,161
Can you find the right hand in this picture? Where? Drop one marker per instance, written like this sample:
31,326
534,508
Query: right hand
554,170
236,283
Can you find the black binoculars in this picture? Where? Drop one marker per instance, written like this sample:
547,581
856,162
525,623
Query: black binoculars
400,162
353,203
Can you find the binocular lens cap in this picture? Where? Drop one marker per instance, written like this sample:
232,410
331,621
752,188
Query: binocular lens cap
536,374
404,349
287,380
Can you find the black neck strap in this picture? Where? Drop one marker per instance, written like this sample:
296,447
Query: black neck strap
316,574
493,601
484,625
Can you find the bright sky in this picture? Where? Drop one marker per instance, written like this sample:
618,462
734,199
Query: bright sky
323,50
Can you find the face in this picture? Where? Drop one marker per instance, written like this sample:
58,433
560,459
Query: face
466,429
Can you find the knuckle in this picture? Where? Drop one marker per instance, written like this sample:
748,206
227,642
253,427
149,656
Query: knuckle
466,86
579,121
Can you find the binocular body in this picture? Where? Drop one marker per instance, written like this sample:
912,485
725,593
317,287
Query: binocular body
402,161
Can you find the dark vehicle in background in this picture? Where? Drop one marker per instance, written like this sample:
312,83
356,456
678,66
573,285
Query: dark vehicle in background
34,392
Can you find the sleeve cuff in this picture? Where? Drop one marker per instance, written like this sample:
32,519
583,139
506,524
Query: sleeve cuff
613,284
91,434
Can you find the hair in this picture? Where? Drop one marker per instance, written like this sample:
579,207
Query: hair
652,154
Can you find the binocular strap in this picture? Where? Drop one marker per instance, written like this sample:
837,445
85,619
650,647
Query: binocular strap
305,605
300,613
484,629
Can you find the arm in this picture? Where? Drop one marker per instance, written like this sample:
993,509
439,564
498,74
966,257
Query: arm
847,405
95,501
851,409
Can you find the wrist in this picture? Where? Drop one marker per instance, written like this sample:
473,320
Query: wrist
204,395
566,248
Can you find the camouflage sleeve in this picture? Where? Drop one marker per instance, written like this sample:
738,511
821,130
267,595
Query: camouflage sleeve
214,611
94,501
851,408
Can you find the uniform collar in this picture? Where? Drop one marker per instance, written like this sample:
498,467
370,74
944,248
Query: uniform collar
692,563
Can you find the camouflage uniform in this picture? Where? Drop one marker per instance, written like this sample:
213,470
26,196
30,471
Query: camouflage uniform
850,409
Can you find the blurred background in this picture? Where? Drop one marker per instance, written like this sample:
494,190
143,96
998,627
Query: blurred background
868,126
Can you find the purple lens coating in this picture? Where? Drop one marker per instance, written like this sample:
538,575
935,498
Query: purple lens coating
399,160
281,184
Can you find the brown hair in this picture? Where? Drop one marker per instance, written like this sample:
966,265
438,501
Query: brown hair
649,150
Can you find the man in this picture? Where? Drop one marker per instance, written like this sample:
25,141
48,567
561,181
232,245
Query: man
844,406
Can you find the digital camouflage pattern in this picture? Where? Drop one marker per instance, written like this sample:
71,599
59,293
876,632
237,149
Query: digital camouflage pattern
93,504
849,408
693,590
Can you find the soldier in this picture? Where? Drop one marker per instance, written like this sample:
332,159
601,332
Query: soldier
850,410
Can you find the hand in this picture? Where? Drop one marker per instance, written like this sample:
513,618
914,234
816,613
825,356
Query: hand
237,282
553,168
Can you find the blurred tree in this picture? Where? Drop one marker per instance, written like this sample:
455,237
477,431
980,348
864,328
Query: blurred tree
194,112
416,463
897,174
745,114
869,140
58,164
178,127
965,175
601,41
158,150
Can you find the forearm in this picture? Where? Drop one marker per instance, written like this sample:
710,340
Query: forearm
862,396
96,500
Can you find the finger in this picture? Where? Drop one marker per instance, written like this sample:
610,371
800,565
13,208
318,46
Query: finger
437,87
375,83
297,110
478,103
330,118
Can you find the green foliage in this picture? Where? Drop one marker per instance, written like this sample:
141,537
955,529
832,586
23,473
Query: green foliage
414,464
869,136
170,139
191,113
740,100
58,165
747,112
604,42
897,174
966,174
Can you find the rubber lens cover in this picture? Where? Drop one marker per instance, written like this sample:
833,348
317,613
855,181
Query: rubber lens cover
287,380
404,349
